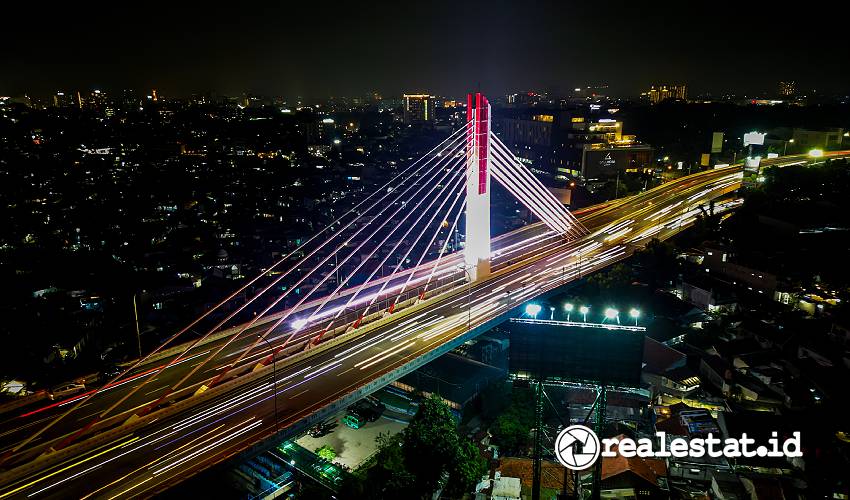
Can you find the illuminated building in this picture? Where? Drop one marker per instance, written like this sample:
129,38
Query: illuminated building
96,100
523,99
805,139
609,151
590,91
788,88
601,160
556,141
418,108
536,136
659,93
63,99
130,99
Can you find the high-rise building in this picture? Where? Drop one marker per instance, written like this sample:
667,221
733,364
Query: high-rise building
659,93
564,142
96,100
788,88
522,99
130,99
64,99
418,108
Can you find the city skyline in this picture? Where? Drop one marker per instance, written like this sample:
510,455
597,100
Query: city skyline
288,50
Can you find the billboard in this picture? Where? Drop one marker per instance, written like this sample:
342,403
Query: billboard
754,138
606,161
545,351
717,142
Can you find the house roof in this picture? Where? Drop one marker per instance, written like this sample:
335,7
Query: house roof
683,374
648,469
551,475
717,364
658,357
740,346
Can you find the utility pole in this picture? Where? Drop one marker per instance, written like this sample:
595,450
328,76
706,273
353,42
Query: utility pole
274,379
468,296
537,464
138,333
601,407
617,188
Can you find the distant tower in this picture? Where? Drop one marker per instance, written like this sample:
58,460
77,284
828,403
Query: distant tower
418,108
477,250
787,88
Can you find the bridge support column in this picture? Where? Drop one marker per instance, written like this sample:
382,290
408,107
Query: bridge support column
477,249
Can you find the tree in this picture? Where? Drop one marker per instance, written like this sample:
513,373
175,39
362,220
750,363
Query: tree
612,283
511,428
466,469
427,455
430,444
386,477
510,432
326,452
659,259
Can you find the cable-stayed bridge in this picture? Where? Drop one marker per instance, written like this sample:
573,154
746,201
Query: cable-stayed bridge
383,289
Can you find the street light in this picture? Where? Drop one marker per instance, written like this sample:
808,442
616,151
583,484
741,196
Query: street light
468,297
584,310
785,148
612,313
551,313
634,313
569,308
274,378
533,310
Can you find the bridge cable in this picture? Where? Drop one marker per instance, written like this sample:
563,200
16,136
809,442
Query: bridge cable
455,136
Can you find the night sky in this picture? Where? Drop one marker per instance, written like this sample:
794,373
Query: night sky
321,48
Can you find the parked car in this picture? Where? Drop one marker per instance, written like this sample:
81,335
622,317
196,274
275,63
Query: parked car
109,373
322,429
66,390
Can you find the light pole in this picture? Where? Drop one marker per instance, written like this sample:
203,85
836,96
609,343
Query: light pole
785,147
617,188
634,313
138,334
468,296
584,310
274,378
336,261
533,310
612,313
568,308
551,313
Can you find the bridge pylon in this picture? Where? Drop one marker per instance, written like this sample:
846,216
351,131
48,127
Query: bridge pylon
477,245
